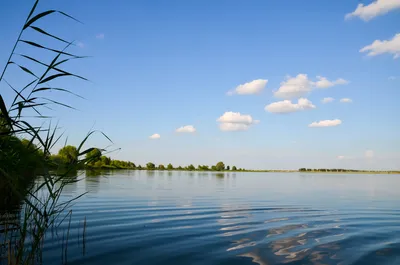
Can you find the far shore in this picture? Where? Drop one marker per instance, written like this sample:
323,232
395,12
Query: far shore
257,171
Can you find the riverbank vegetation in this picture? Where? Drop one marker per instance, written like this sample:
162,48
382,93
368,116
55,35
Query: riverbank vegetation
28,209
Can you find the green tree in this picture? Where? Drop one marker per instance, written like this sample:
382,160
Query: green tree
170,166
220,166
234,168
98,163
191,167
213,168
228,168
106,160
69,154
93,156
161,167
150,166
180,168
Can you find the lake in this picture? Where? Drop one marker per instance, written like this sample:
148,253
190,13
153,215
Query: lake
139,217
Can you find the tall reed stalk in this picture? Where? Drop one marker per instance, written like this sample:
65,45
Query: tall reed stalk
22,233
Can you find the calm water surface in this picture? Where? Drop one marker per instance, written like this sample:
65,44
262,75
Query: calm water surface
138,217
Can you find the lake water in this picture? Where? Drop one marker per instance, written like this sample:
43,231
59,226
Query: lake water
139,217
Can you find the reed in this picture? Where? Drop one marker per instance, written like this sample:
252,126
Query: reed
22,232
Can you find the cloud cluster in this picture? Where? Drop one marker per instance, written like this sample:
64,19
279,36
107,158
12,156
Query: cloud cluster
186,129
376,8
378,47
286,106
301,85
323,82
325,123
250,88
155,136
235,121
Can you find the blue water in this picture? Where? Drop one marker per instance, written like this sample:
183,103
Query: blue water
139,217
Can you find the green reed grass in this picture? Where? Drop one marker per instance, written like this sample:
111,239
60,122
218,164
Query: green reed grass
24,232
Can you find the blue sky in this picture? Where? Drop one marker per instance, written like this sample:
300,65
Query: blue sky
233,73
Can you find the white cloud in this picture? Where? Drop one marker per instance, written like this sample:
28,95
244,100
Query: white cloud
233,127
327,100
80,44
392,78
186,129
155,136
286,106
250,88
346,100
295,87
323,82
235,121
344,157
376,8
378,47
326,123
100,36
369,154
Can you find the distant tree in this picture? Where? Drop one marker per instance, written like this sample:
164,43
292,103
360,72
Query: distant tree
213,168
180,168
302,169
161,167
191,167
139,167
170,166
69,154
234,168
105,160
228,168
150,166
220,166
98,163
93,156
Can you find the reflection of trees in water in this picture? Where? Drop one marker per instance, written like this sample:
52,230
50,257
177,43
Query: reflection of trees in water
150,173
92,180
219,175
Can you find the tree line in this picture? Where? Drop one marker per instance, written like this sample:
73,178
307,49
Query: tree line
340,170
96,160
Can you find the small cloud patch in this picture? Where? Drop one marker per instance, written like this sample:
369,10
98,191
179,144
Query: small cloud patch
286,106
186,129
346,100
325,123
327,100
235,121
155,136
250,88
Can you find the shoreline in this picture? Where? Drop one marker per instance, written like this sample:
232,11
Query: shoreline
389,172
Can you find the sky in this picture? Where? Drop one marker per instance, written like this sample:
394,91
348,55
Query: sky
256,84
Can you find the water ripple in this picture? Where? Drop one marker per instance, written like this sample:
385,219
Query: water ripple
229,221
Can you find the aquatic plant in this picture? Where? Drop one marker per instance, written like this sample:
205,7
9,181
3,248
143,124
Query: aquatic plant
22,232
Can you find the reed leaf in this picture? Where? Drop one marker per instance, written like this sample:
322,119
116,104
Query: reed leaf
47,34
